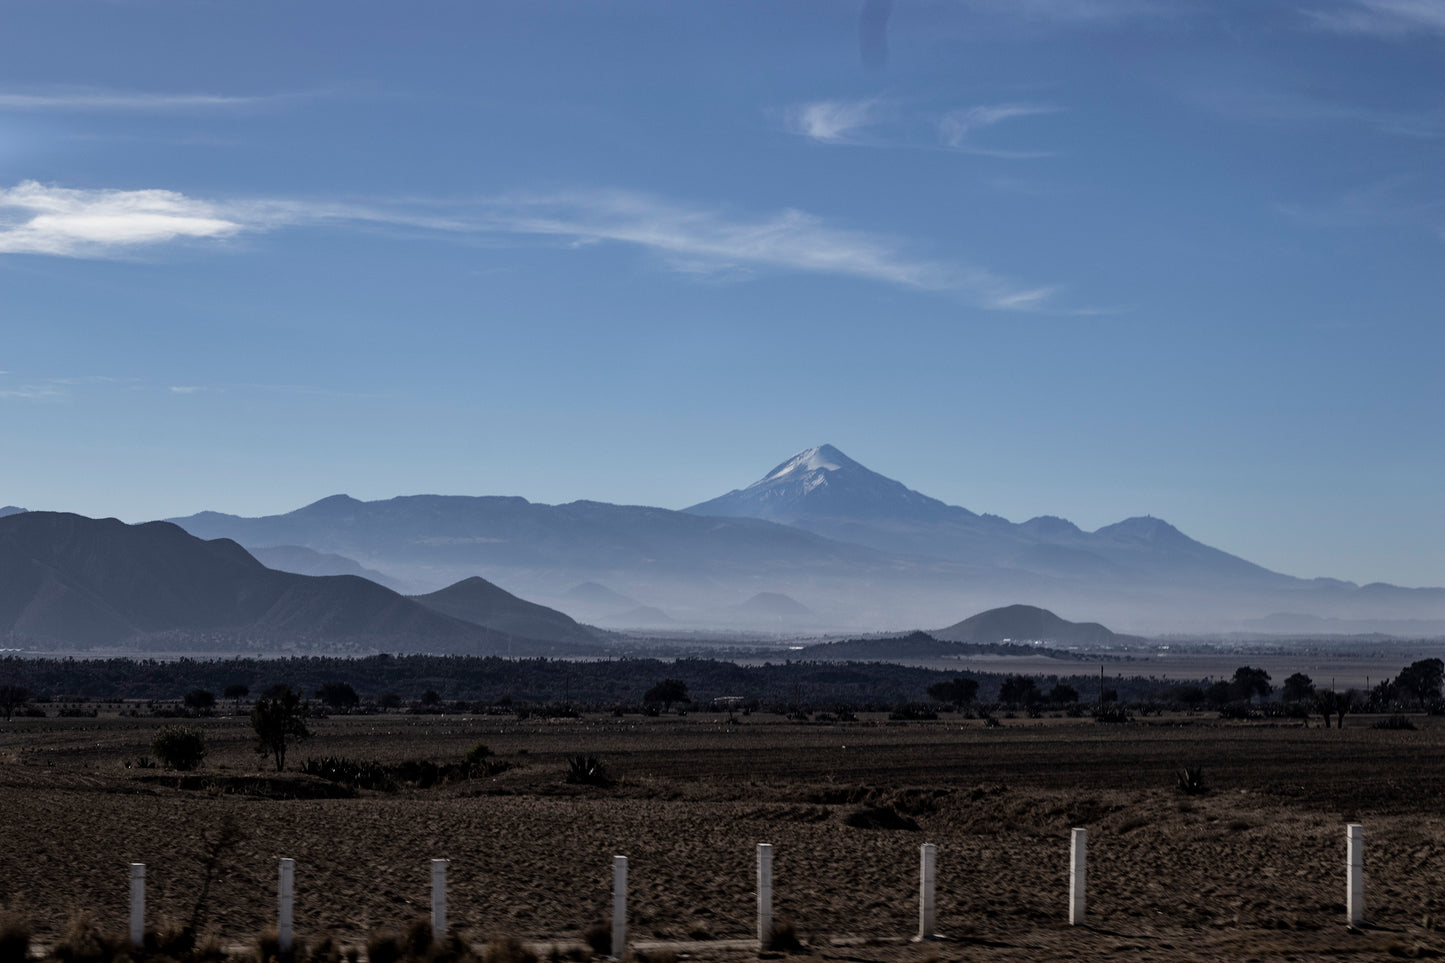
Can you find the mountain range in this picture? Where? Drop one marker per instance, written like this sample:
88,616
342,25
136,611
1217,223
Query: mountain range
80,582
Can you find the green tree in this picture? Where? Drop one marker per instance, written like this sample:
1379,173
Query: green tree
179,747
200,699
1421,680
1063,694
338,695
959,691
1018,690
12,697
1250,682
279,719
667,692
1298,688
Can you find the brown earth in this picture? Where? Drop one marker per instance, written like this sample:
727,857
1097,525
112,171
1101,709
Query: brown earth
1254,869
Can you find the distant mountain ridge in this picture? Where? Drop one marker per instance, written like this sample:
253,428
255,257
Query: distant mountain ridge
1027,623
78,581
480,602
822,490
858,549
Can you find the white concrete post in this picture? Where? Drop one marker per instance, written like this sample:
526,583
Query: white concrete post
927,868
287,895
1355,869
439,899
619,906
765,894
1078,872
137,904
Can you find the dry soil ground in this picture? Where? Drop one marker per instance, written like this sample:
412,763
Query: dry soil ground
1254,869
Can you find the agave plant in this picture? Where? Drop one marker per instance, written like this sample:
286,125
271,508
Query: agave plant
587,770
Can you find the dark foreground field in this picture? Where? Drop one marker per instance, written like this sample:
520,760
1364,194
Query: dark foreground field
1254,869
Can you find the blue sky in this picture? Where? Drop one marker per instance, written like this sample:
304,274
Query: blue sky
1091,258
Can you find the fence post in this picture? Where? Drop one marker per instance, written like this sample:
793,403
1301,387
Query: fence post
619,906
137,904
1078,872
287,892
927,869
765,894
1355,873
439,899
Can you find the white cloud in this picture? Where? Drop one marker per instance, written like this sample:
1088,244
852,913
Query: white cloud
184,389
956,127
702,241
1384,18
97,99
40,392
833,121
43,219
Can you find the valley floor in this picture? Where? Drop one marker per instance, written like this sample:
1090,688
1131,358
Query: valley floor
1253,869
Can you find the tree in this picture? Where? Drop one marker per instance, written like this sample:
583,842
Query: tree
338,695
12,697
200,699
1250,682
279,720
667,692
1421,680
236,691
1298,688
1219,694
1063,693
431,698
1018,689
179,747
959,691
1189,695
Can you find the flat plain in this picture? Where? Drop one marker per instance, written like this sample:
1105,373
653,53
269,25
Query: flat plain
1251,869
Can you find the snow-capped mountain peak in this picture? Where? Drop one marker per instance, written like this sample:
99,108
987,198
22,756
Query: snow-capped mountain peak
821,458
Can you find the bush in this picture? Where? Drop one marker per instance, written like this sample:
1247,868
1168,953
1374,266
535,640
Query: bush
179,747
84,942
585,770
509,949
1396,721
14,939
1191,781
784,938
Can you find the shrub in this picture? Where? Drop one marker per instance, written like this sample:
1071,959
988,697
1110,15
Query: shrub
784,938
179,747
358,775
1113,712
84,942
476,759
599,938
1396,721
508,949
587,770
1191,781
14,939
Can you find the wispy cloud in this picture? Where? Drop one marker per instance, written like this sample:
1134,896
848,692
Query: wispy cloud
833,121
1273,106
876,123
99,99
957,128
696,239
184,389
41,219
35,392
1383,18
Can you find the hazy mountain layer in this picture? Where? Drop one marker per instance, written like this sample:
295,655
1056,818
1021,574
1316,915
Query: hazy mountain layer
71,580
480,602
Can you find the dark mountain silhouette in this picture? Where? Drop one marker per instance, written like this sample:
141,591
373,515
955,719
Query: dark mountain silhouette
1026,623
10,510
480,602
71,580
916,646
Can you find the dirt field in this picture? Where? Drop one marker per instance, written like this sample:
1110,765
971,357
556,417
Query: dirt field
1254,869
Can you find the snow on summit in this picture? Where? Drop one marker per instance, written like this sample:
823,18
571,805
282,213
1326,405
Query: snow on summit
822,458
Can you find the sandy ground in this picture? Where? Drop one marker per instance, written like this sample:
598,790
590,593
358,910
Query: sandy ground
1252,870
